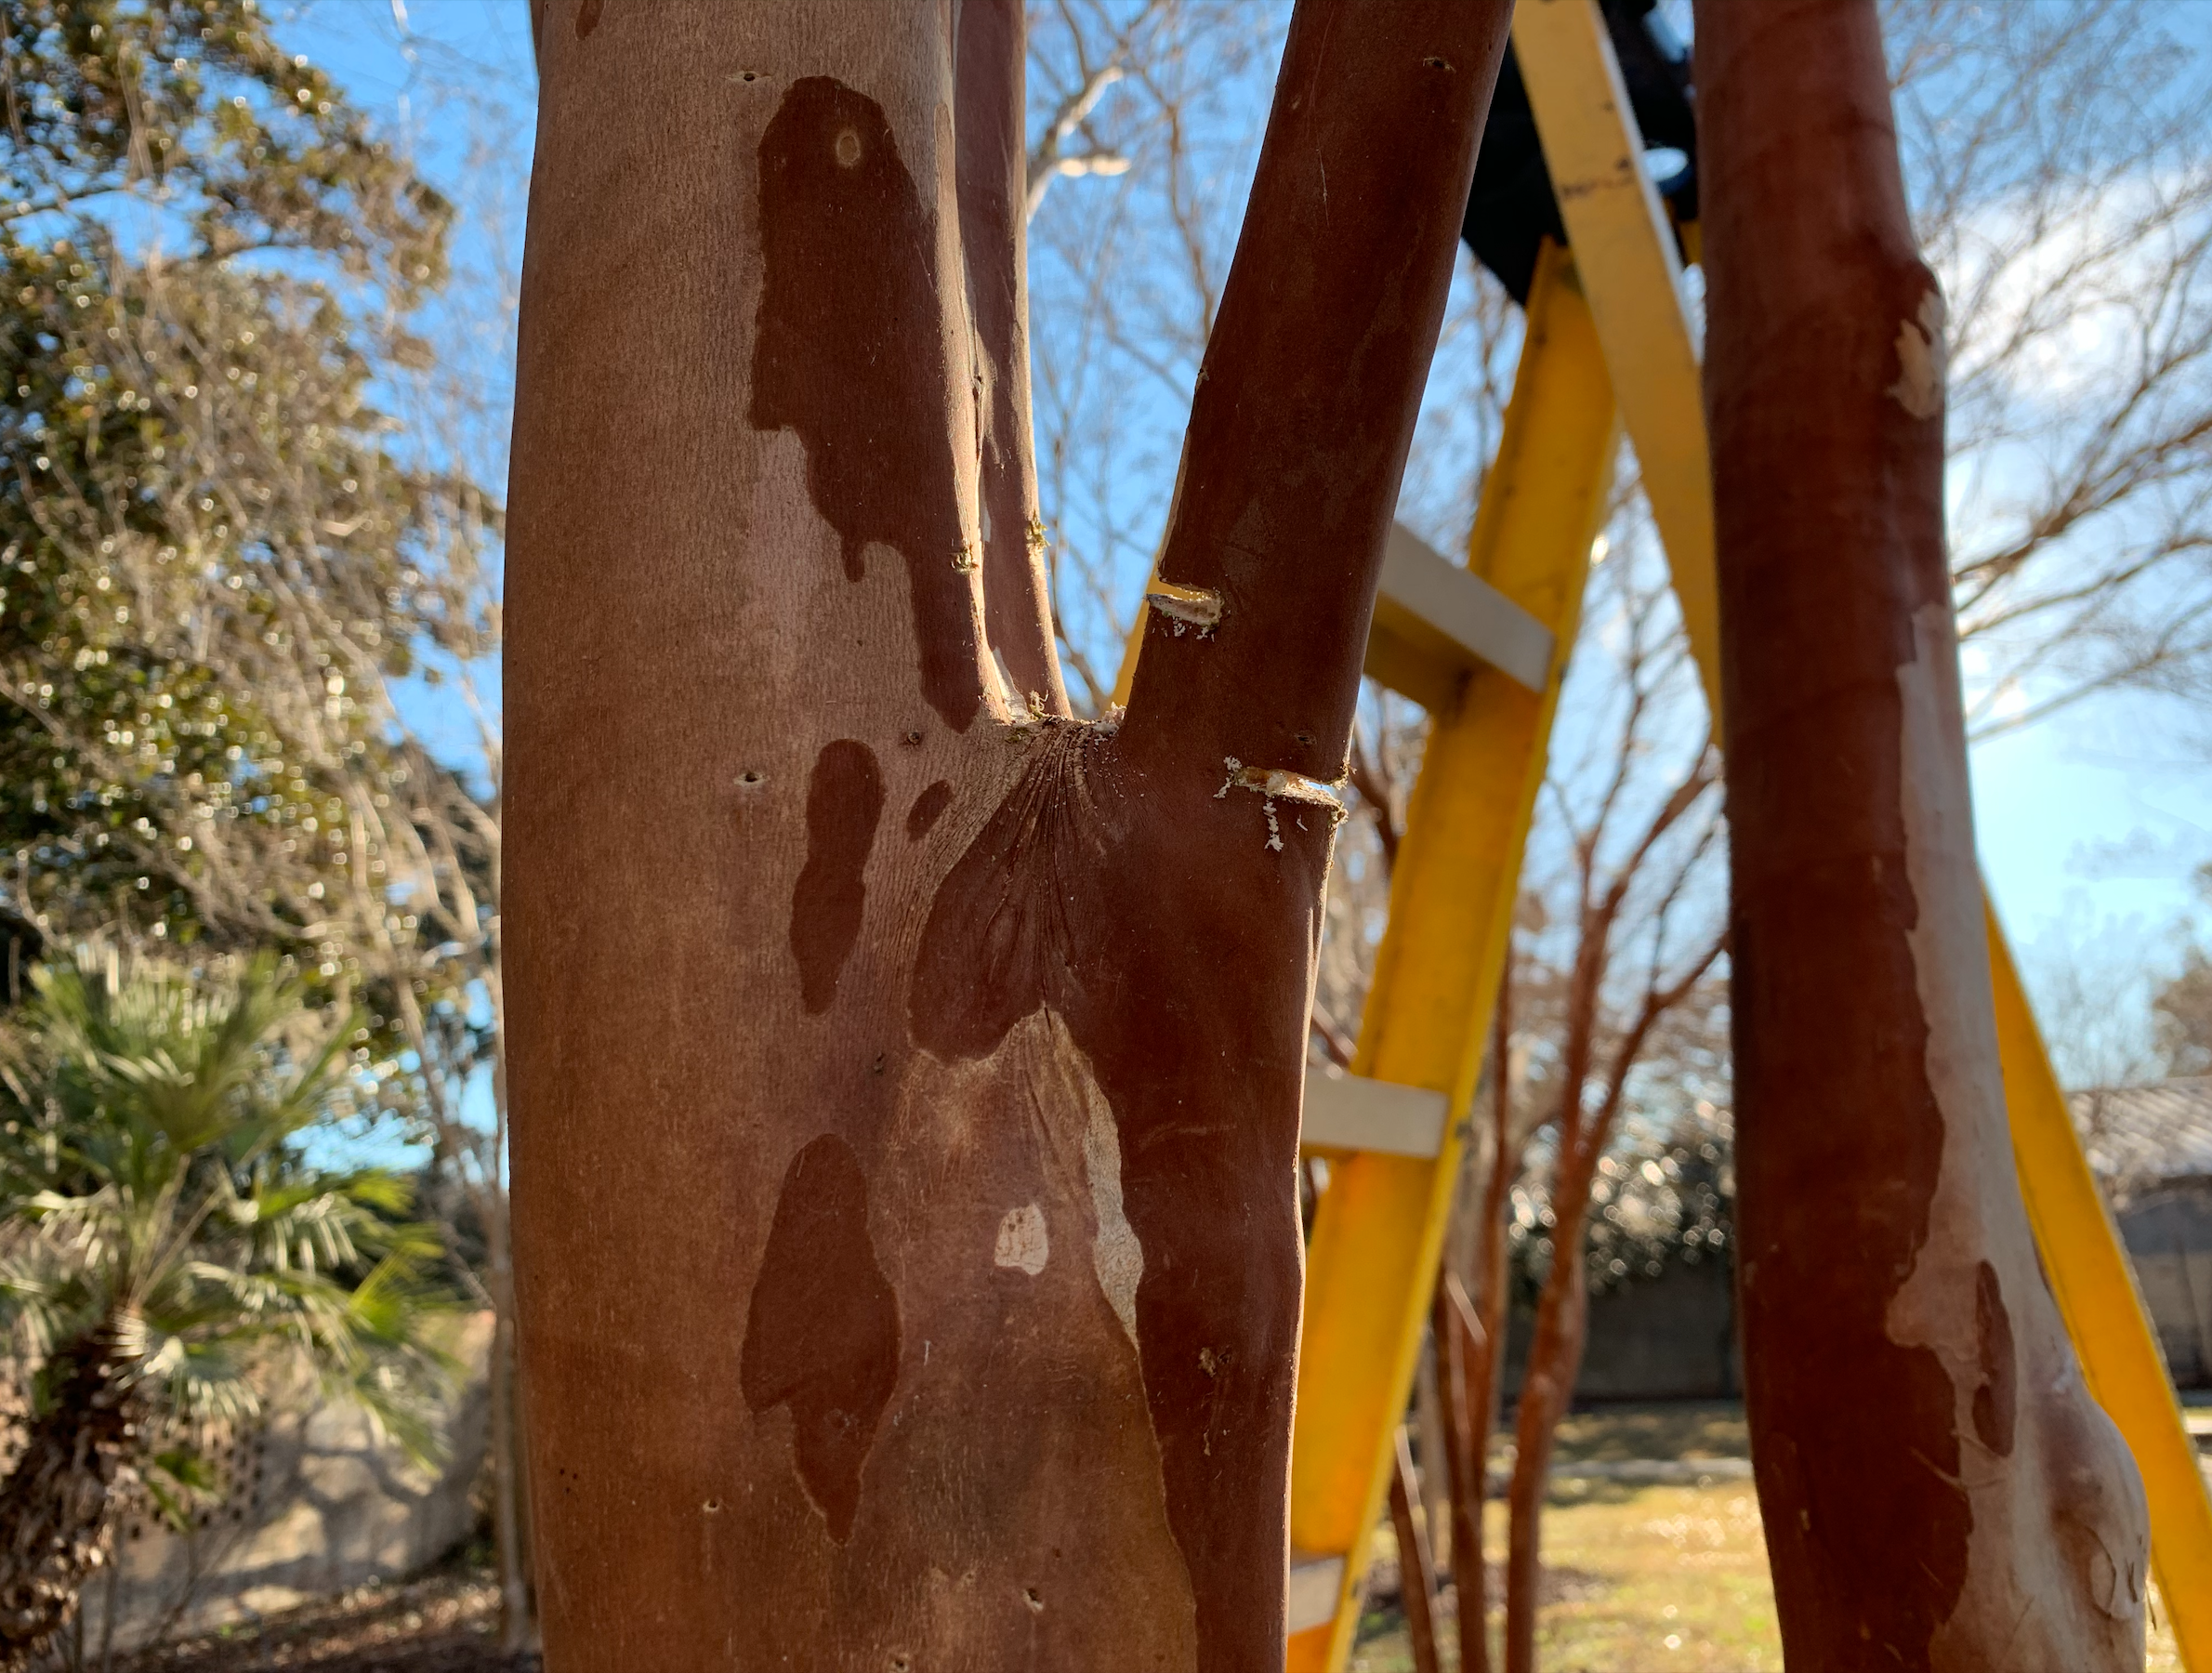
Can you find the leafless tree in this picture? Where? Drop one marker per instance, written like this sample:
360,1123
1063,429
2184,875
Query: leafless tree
2060,174
1126,275
1620,926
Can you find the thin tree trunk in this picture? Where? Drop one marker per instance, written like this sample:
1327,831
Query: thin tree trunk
517,1577
515,1613
992,165
906,1084
1562,1308
107,1618
1416,1562
1547,1387
518,1602
517,1621
1462,1354
1436,1474
1938,1488
58,1498
1483,1341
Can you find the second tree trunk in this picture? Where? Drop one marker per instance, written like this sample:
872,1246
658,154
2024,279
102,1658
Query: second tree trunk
1939,1489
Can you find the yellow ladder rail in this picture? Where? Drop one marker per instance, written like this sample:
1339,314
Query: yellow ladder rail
1379,1227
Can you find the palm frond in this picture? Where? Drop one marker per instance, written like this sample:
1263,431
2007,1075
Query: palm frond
153,1192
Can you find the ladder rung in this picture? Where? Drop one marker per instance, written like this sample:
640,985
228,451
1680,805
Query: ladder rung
1434,619
1315,1585
1351,1113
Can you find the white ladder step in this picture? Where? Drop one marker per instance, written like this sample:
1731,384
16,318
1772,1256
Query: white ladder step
1434,619
1352,1112
1315,1585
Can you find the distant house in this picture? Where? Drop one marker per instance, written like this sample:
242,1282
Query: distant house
1672,1338
2151,1148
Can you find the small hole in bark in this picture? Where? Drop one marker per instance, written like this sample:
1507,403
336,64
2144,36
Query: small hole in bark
901,1664
1436,63
876,1067
750,777
749,75
848,148
913,737
712,1506
1030,1597
1307,739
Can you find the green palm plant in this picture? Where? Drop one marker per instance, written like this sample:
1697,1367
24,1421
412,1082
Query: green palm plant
167,1252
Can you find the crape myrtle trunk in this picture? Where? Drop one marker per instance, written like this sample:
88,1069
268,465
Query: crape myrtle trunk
905,1075
1938,1488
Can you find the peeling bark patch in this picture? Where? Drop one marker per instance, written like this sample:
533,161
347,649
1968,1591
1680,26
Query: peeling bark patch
848,294
1994,1400
587,18
1189,1166
927,809
822,1335
1024,1245
844,804
1115,1254
1920,360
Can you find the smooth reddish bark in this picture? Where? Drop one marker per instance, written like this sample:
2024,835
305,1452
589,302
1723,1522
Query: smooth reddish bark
906,1083
1476,1329
1547,1387
1463,1373
993,162
1416,1562
1939,1490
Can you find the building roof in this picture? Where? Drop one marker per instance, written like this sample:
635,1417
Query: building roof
2137,1135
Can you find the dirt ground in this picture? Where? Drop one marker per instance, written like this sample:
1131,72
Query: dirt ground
445,1621
1640,1578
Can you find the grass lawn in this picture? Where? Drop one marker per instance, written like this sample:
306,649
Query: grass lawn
1642,1579
1687,1429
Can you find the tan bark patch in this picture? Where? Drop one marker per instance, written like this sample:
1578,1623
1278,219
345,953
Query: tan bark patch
1921,360
1015,1495
1974,1297
1022,1242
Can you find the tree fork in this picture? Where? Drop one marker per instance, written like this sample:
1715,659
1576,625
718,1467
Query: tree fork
1939,1490
906,1082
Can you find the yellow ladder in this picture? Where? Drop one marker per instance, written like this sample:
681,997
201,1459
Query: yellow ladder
1608,343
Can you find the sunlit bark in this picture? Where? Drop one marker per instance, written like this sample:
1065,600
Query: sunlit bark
905,1076
1938,1488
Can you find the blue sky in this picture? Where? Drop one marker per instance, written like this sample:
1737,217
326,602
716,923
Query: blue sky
2090,821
